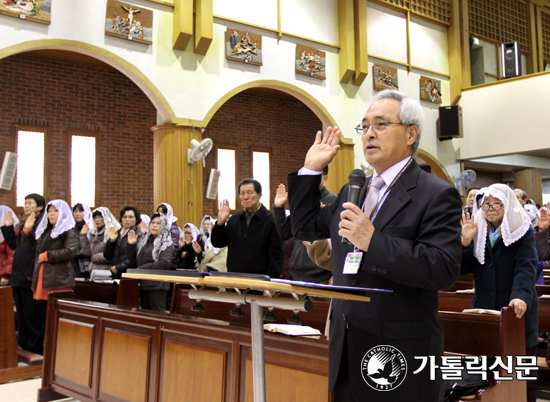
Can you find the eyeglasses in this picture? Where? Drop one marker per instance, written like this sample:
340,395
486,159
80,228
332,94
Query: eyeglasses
495,207
376,127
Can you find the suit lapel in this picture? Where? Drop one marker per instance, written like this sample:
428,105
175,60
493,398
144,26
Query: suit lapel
398,197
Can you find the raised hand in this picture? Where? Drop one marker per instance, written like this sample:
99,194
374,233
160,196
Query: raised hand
113,234
132,238
29,223
281,196
469,229
196,247
544,220
323,149
8,218
84,229
223,212
182,242
142,227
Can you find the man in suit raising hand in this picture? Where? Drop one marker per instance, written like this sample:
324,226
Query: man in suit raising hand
405,233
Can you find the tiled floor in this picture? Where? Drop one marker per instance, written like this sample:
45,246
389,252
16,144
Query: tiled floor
26,391
22,391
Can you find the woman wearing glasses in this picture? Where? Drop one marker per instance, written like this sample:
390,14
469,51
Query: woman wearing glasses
499,248
153,251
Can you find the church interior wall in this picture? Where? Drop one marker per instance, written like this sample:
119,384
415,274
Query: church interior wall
64,96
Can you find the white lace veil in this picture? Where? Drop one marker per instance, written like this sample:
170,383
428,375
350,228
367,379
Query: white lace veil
169,214
88,219
65,220
208,241
163,239
108,219
532,213
3,210
194,231
145,219
515,222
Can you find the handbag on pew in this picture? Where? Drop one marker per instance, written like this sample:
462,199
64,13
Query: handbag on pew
468,385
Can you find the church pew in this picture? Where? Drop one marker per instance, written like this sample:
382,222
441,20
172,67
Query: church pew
9,369
96,352
543,383
479,334
103,352
451,301
125,293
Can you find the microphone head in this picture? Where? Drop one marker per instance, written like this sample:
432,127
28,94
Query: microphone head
357,178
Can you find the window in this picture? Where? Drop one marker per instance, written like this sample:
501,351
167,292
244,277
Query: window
31,176
261,172
227,187
84,180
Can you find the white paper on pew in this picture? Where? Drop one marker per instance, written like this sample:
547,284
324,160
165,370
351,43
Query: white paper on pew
545,296
466,291
481,311
294,330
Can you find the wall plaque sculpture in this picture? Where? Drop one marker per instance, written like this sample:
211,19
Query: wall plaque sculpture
430,89
310,61
384,77
243,47
128,21
32,10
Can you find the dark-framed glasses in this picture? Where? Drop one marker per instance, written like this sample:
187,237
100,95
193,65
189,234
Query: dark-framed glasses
495,207
377,127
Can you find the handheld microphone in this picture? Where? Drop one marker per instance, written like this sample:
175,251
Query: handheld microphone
356,182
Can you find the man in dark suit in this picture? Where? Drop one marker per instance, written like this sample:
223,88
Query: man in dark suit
407,240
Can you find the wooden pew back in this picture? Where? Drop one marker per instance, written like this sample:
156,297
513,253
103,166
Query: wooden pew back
125,293
488,335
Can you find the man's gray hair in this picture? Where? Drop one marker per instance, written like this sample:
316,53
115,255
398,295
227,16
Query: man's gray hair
522,193
410,111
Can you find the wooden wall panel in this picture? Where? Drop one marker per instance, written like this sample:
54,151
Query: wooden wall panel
340,167
8,346
530,181
74,348
298,385
117,373
177,182
192,374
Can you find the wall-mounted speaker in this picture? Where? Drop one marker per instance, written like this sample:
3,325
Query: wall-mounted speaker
510,53
212,188
450,122
8,171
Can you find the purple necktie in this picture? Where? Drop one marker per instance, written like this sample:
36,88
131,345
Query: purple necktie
372,195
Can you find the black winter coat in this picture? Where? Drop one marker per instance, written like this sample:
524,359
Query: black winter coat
116,252
23,261
256,249
59,269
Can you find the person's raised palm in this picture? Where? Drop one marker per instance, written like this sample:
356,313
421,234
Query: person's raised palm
113,234
223,212
323,149
8,218
544,220
132,238
29,223
469,229
281,196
